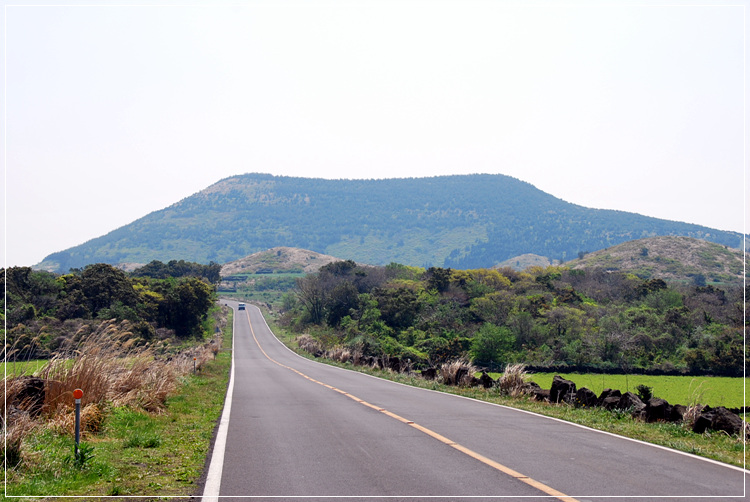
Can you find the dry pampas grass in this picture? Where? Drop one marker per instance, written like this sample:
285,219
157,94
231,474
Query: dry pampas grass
459,372
513,381
111,369
691,414
108,367
309,344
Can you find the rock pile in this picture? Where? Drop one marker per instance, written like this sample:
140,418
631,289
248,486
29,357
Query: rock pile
718,419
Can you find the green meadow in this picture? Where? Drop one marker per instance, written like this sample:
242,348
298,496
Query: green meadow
22,367
687,390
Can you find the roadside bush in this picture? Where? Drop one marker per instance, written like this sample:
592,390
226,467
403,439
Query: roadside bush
644,392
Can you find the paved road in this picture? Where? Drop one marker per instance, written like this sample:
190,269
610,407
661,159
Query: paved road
304,430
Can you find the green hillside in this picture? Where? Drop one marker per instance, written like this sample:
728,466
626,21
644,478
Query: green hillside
454,221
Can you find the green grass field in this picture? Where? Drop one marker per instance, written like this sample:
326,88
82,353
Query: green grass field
23,367
714,391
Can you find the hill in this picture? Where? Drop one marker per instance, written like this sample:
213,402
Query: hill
452,221
673,258
281,259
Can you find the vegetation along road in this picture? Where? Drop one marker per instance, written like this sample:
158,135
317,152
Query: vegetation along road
297,428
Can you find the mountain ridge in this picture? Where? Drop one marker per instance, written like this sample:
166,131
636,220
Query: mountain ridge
459,221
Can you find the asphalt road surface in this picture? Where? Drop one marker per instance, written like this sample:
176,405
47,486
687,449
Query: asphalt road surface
295,429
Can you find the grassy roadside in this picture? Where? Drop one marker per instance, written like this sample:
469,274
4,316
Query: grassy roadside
714,445
135,453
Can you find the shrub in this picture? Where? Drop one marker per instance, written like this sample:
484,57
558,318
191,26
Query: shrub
492,343
644,392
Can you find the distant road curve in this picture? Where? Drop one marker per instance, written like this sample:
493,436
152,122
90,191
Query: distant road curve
295,429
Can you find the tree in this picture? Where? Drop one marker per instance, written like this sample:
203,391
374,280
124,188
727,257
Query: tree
102,285
398,306
313,291
288,302
212,272
494,307
564,321
340,301
339,268
492,344
30,293
368,317
438,278
186,306
158,270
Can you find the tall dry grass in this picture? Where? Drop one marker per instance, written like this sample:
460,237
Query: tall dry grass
309,344
691,414
16,422
341,354
513,381
458,372
695,408
111,370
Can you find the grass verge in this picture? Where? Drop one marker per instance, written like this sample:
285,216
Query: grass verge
135,453
714,445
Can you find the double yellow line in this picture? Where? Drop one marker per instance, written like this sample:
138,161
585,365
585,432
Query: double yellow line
495,465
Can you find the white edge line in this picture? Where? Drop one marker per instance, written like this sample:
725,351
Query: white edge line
744,232
5,241
710,460
213,478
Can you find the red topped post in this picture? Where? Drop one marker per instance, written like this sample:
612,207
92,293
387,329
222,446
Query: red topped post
78,394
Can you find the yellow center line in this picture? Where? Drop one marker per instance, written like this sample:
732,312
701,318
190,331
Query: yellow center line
477,456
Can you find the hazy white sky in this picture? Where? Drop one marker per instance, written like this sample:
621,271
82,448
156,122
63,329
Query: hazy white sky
115,111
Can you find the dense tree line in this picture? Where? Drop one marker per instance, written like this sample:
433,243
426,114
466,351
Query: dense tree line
174,268
550,317
44,309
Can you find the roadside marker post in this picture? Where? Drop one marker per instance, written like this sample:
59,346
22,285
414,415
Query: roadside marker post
78,394
194,363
